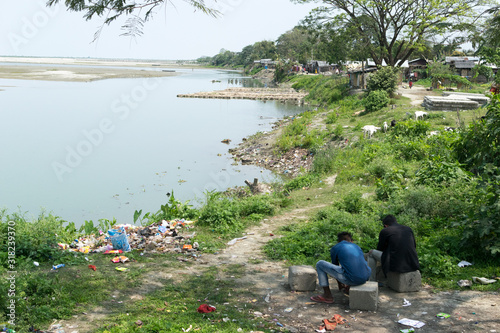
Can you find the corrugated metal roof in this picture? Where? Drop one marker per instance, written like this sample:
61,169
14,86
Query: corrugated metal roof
464,64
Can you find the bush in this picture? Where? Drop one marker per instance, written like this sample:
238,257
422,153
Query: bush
384,79
220,214
375,100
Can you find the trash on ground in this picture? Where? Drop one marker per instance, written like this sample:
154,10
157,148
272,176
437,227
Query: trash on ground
411,322
93,267
121,269
36,263
406,302
119,259
54,267
233,241
205,308
464,283
288,310
482,280
138,323
464,263
188,329
407,330
442,315
331,324
163,236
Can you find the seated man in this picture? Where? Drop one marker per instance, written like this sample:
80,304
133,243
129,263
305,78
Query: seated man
396,249
348,267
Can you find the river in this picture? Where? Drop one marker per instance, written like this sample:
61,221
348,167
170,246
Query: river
103,149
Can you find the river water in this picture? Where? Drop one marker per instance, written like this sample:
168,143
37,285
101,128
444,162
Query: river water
103,149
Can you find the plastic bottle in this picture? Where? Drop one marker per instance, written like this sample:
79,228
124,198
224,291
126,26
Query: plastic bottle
57,266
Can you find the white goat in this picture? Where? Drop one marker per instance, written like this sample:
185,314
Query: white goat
385,126
370,130
420,114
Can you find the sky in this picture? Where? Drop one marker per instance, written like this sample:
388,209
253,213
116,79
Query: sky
175,32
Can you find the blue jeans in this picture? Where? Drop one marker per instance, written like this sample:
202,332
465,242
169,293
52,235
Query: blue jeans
325,268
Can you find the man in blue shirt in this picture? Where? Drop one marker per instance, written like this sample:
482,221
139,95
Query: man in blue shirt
348,267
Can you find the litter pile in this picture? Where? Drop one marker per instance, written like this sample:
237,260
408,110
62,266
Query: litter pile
163,236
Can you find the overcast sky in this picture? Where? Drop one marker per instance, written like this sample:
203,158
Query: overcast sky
31,29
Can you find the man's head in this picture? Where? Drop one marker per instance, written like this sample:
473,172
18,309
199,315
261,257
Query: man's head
344,236
389,220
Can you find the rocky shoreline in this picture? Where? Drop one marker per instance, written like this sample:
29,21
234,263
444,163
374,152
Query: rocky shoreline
261,150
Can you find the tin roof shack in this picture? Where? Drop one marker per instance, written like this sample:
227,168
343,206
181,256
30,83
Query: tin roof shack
463,68
417,69
317,66
359,77
266,63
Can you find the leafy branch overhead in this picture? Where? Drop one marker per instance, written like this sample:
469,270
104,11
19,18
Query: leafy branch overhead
392,30
137,11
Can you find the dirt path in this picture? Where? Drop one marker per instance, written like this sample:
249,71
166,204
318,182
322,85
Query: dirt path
416,93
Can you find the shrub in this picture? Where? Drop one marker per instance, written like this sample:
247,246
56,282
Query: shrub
384,79
376,100
220,214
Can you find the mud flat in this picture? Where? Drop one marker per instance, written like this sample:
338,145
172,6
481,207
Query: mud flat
252,93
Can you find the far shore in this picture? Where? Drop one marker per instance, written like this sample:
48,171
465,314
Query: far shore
85,69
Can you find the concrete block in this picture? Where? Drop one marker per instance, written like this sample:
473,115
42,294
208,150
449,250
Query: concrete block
364,297
302,278
404,282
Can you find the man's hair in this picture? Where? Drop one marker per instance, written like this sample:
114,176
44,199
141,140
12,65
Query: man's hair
344,236
389,220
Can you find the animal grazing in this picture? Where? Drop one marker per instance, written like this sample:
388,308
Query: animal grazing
369,130
433,133
420,114
385,126
449,129
393,122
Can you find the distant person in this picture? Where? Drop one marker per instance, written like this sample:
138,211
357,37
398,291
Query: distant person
348,267
396,249
410,84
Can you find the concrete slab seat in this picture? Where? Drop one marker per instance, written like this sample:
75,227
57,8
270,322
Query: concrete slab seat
302,278
364,297
404,282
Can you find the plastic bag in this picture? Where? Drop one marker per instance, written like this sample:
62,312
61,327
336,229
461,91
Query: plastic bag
119,239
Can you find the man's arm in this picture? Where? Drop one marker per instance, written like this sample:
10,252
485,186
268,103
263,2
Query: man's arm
382,241
334,255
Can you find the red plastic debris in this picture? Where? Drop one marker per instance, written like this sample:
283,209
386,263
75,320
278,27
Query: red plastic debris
205,308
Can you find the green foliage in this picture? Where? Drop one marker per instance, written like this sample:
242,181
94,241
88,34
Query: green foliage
440,173
390,183
220,214
375,100
298,134
301,181
323,90
410,129
173,209
483,70
385,79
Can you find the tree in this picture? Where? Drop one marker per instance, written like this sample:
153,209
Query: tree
395,29
294,45
138,11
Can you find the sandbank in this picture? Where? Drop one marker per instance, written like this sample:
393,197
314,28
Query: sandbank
83,69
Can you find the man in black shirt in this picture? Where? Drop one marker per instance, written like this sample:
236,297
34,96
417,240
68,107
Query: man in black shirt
396,249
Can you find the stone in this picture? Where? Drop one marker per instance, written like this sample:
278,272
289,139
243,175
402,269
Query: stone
302,278
404,282
364,296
